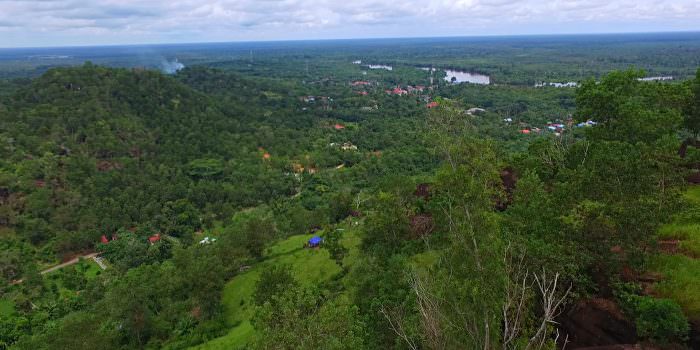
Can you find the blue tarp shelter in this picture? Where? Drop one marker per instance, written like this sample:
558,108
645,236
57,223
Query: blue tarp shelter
315,241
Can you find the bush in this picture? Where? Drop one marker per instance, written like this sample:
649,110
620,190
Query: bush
661,320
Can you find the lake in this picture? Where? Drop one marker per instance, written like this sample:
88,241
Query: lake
467,77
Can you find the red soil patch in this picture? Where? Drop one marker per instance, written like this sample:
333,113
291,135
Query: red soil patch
669,246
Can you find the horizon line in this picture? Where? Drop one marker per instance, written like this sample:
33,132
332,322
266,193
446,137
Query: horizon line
353,39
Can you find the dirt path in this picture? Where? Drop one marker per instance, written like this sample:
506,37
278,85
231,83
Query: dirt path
68,263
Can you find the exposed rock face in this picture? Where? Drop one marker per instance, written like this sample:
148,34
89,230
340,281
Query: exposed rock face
423,191
617,347
597,322
694,340
509,179
422,225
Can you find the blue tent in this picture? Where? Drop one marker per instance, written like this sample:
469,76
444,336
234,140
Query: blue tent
315,240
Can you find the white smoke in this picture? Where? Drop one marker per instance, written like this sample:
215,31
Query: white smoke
171,67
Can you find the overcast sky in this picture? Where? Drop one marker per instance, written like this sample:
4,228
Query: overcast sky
88,22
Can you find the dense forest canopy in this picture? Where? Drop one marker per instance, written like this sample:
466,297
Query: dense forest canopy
259,203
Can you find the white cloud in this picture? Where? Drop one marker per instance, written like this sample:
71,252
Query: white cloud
47,22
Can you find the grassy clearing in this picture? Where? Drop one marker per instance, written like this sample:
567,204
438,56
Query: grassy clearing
92,269
681,281
237,338
688,234
693,195
88,266
309,266
682,271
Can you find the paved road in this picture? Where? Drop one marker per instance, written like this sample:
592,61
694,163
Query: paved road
68,263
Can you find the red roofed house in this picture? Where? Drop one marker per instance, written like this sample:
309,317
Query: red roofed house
363,93
155,238
399,91
432,104
525,131
358,83
266,156
417,88
339,126
104,239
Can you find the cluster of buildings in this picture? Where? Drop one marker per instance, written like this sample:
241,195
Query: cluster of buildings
360,83
556,128
151,239
207,240
346,146
417,89
571,84
313,99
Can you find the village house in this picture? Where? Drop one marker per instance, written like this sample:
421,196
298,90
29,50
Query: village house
587,123
415,89
207,240
346,146
472,111
432,105
557,127
397,91
154,239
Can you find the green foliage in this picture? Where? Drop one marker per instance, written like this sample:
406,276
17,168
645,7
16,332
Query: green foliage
470,290
273,281
629,109
205,168
180,219
80,331
309,267
236,155
254,229
692,108
660,319
333,242
128,251
299,319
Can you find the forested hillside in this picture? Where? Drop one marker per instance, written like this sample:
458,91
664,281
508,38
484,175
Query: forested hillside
440,227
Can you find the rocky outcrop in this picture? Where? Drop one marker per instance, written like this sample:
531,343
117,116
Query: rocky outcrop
597,322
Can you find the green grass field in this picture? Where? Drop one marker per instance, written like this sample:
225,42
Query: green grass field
688,234
681,271
681,281
309,266
92,269
693,195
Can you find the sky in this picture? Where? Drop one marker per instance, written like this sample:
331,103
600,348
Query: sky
35,23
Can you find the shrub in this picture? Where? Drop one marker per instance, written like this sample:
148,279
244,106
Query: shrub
661,320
